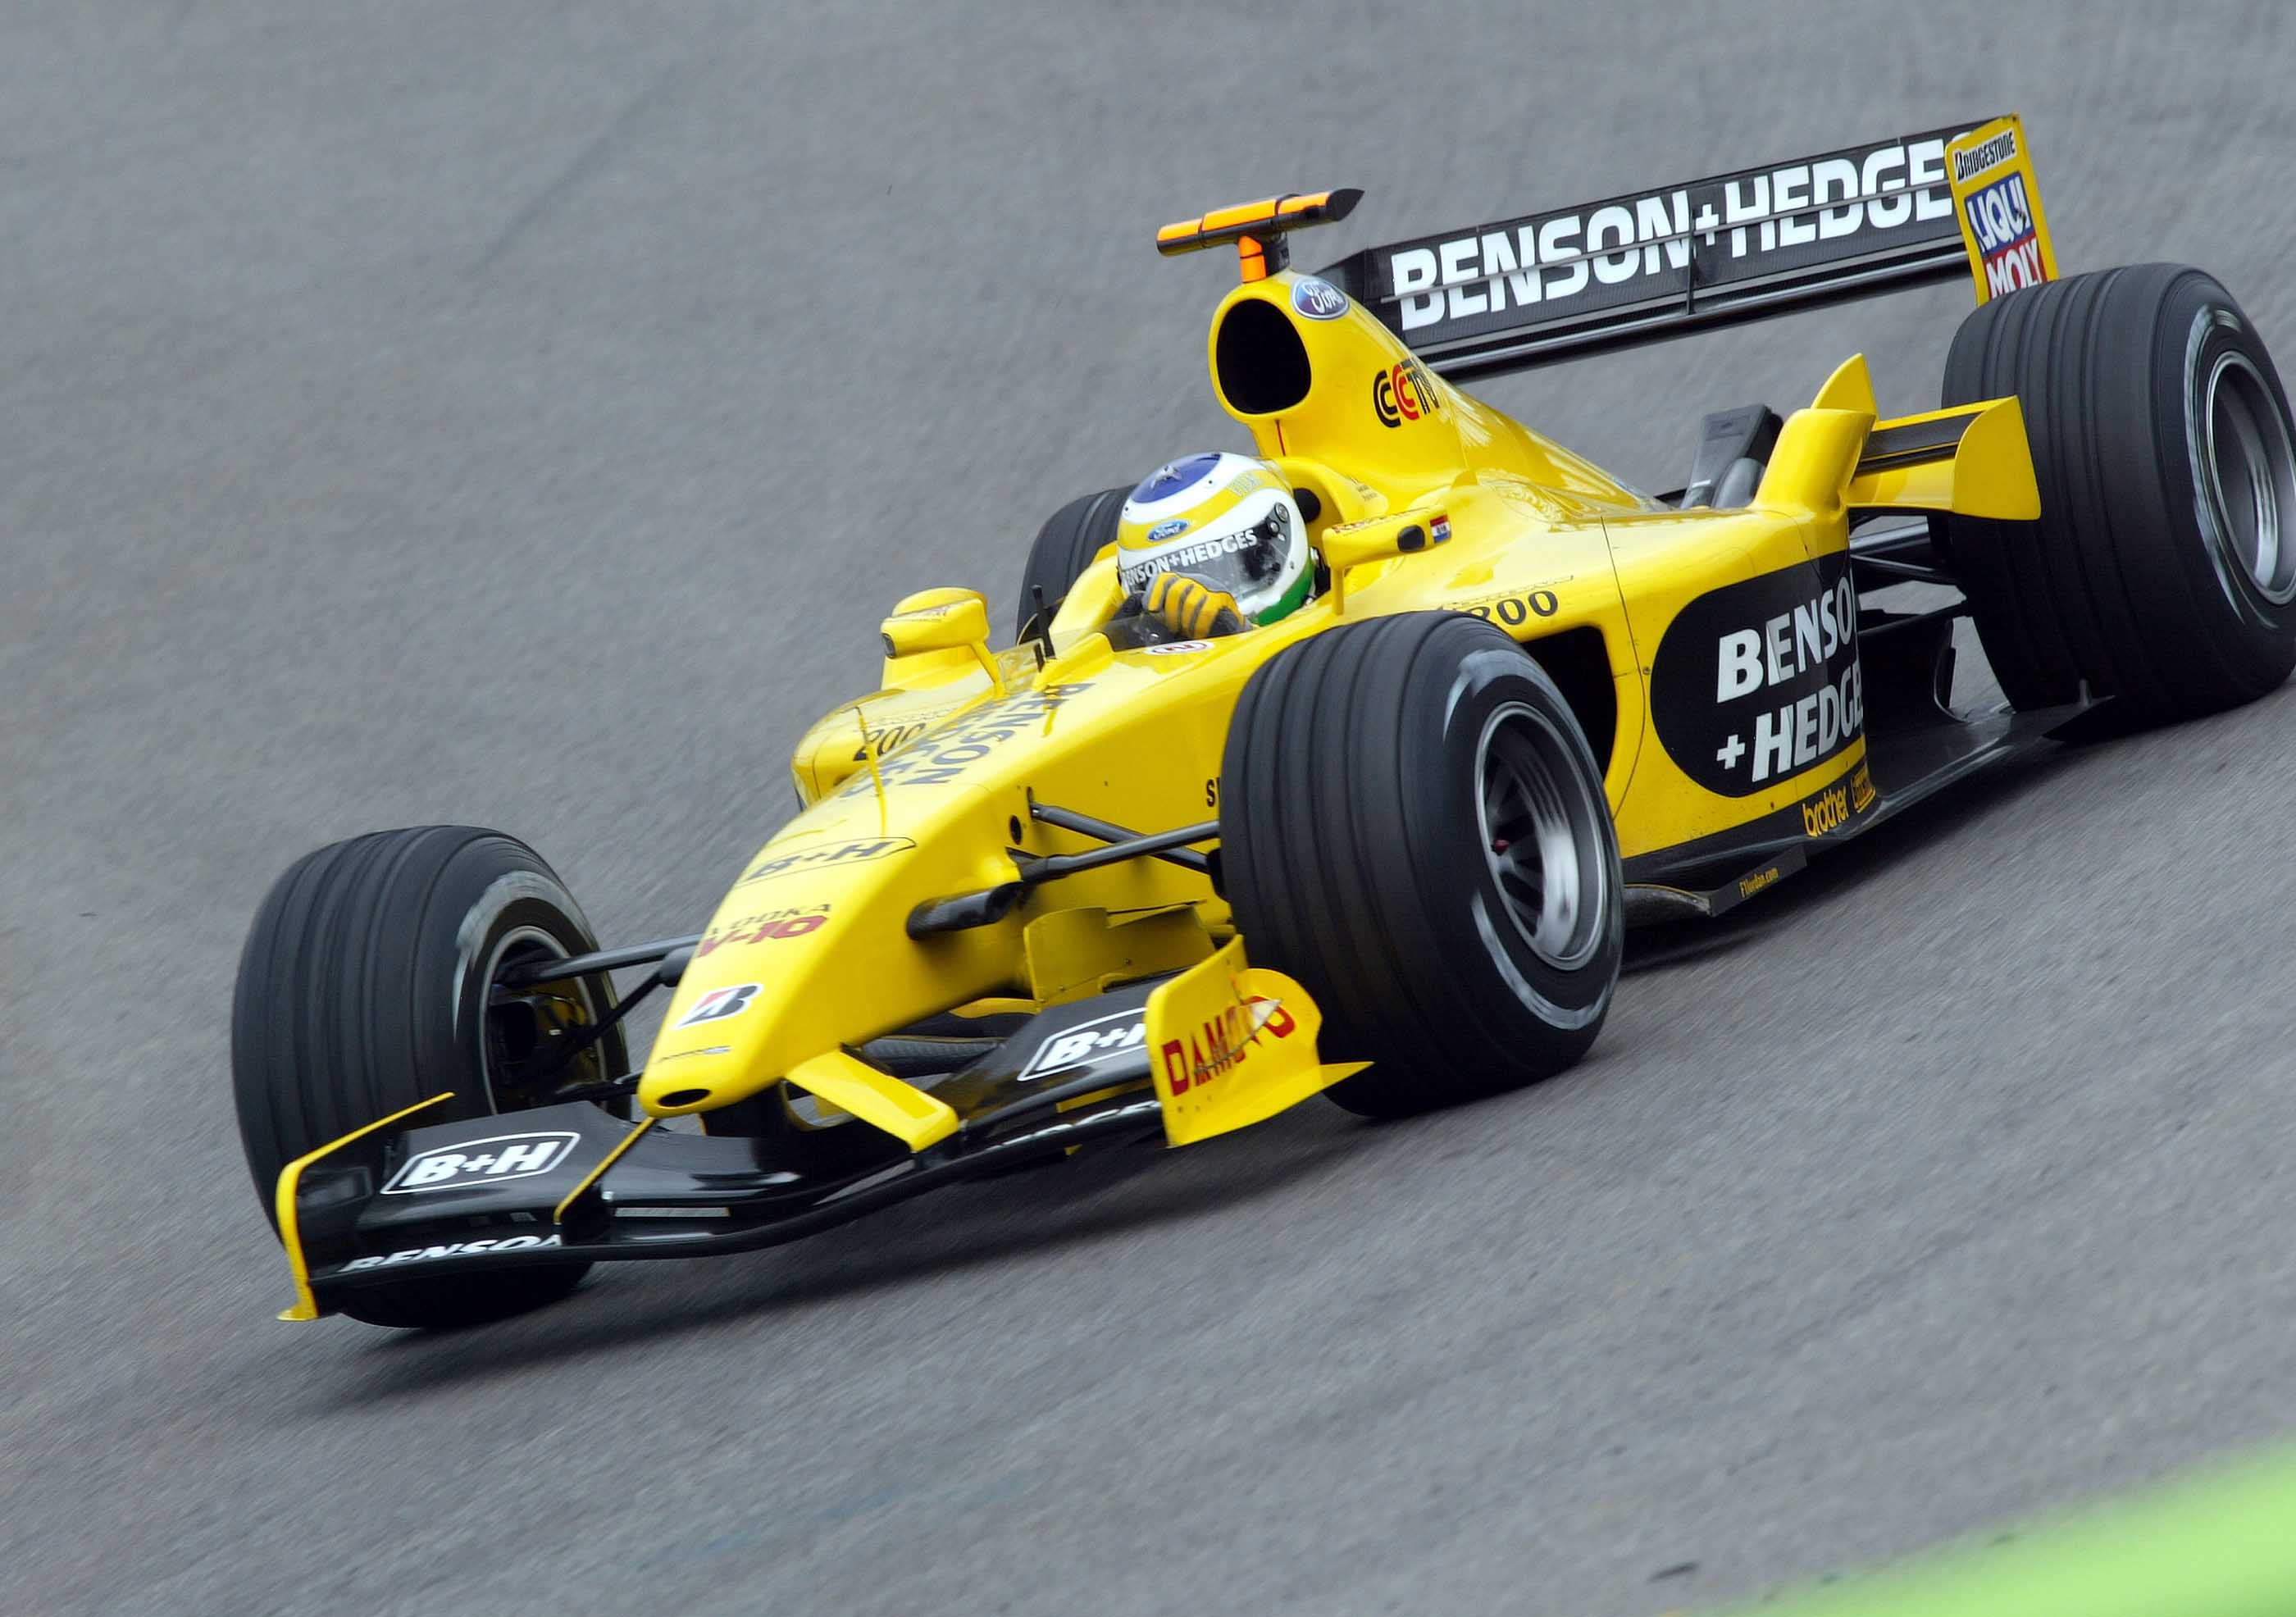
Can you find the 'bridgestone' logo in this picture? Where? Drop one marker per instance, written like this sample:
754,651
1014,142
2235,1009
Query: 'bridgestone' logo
1977,160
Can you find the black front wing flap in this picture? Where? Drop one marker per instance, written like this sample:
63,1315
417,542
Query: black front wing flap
573,1184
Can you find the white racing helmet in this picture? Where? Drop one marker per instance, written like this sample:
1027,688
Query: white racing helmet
1227,520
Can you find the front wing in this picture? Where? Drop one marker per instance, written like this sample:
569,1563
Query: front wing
1212,1048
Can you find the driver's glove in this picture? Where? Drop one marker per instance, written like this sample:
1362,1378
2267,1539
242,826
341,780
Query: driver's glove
1192,609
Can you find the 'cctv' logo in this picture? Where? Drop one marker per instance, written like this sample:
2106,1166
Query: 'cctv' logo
1403,392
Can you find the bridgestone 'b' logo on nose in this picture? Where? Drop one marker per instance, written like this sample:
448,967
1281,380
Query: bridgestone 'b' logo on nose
718,1004
487,1162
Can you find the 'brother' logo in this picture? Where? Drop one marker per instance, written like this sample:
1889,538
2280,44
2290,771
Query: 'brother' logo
1829,811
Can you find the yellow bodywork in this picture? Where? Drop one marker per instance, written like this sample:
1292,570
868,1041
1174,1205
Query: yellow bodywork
922,790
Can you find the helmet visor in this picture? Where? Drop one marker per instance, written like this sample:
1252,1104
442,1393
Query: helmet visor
1246,559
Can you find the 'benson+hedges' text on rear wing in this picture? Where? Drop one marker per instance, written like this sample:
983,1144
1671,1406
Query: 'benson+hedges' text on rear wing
1675,260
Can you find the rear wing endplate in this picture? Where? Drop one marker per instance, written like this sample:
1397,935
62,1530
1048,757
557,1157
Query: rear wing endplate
1675,260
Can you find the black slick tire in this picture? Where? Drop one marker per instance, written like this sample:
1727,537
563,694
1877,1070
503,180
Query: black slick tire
1066,544
1375,781
367,985
2162,571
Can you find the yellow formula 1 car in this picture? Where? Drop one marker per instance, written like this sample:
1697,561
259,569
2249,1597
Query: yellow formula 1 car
1182,856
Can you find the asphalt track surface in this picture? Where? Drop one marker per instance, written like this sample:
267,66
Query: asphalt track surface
522,413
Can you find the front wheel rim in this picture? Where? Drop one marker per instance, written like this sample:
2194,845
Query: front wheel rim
559,1007
2248,477
1541,839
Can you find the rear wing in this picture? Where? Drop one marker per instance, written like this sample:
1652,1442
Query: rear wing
1675,260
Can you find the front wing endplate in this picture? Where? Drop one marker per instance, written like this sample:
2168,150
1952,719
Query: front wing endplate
1230,1045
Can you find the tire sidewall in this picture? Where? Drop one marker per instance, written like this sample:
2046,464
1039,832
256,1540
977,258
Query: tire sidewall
2201,325
514,906
1447,840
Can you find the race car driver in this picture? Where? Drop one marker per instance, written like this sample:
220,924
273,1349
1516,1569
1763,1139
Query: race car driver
1213,544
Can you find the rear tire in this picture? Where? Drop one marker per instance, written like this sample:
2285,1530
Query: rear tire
1066,544
1371,776
2162,571
367,985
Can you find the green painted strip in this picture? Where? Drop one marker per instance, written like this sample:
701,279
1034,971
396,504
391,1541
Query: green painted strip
2219,1543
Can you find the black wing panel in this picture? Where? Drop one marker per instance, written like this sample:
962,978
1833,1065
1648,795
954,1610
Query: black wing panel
1663,263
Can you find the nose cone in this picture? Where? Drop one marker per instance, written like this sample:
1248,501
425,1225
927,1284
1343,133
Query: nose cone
700,1073
810,952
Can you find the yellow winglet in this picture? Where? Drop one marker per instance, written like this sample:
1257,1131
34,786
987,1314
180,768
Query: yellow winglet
283,1200
906,1112
1231,1045
1973,461
1850,388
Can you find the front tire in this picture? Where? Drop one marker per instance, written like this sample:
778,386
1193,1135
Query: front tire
1413,825
368,983
2162,571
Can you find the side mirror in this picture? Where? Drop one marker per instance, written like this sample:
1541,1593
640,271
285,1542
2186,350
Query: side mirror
941,621
936,620
1380,538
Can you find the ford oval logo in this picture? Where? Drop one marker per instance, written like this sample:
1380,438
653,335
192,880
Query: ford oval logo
1172,530
1319,299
